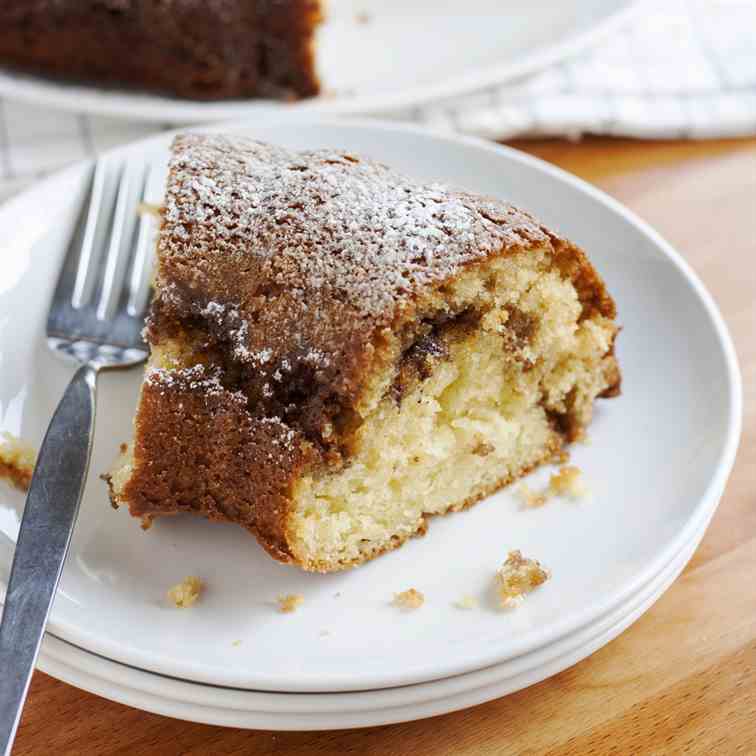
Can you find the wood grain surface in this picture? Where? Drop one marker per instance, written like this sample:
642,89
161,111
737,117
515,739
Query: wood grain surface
683,678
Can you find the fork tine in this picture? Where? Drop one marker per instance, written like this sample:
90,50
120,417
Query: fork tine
141,272
62,296
121,246
99,215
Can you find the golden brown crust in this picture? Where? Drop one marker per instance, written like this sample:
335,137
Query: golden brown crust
199,450
613,373
590,287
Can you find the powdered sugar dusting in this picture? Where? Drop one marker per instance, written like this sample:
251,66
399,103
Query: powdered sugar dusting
197,378
288,434
213,309
205,383
291,263
236,329
327,221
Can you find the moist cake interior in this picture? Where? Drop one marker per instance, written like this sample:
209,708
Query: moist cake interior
512,375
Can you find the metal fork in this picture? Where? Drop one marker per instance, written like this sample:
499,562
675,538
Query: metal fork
95,320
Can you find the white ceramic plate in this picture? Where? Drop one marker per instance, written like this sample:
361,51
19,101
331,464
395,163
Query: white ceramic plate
303,711
657,462
410,52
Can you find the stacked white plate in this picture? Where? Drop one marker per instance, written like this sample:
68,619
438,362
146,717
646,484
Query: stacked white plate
657,464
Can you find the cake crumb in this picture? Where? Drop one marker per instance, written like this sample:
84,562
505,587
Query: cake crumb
17,460
409,599
561,457
568,482
362,17
467,602
149,208
290,602
482,448
324,633
530,498
518,576
186,593
236,643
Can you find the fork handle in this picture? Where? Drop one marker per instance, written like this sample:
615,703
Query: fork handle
49,515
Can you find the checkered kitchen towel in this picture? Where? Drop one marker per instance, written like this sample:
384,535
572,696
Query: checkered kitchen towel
677,69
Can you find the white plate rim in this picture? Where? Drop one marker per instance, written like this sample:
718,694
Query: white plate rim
259,709
138,106
577,619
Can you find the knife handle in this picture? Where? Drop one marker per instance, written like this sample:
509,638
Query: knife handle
43,539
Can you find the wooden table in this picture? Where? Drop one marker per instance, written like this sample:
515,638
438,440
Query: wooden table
683,678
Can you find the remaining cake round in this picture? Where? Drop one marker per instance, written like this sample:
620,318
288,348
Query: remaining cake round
199,49
339,351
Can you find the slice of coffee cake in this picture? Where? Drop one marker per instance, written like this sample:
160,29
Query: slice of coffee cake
339,351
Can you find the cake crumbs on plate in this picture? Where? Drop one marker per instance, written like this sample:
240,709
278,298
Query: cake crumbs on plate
568,481
530,498
236,643
149,208
324,633
186,593
290,602
17,460
561,457
409,599
467,603
517,577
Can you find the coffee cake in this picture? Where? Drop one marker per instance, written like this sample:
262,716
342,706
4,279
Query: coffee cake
338,351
